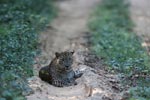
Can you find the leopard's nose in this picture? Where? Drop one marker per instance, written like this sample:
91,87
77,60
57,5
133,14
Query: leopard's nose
67,66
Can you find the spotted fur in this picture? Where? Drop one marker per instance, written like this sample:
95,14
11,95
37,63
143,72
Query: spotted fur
60,72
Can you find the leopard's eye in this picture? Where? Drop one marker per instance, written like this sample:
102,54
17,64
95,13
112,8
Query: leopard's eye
63,59
70,58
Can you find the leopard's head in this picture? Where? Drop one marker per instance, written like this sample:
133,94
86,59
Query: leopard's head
64,60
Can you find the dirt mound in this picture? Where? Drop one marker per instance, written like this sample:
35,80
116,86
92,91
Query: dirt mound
95,84
67,32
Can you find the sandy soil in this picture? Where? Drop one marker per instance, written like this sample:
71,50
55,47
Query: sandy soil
68,32
140,13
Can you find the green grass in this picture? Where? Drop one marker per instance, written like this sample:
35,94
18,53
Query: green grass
114,40
20,23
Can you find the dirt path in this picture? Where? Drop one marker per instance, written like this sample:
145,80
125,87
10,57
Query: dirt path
140,13
67,32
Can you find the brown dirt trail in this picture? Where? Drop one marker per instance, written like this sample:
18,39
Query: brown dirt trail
67,32
140,14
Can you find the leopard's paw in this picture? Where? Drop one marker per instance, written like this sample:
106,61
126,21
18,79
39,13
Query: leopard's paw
57,83
78,73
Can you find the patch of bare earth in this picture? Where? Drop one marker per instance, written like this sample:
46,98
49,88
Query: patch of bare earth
67,32
140,14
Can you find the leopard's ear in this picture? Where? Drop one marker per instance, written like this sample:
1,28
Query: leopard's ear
57,54
72,52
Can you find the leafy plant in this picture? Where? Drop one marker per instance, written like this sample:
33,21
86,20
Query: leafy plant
20,23
114,40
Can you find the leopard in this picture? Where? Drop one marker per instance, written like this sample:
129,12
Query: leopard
60,72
